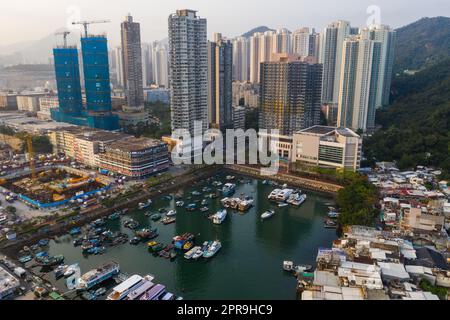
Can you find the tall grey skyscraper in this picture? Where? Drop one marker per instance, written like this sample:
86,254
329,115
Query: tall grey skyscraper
332,40
241,59
358,83
220,78
132,62
281,41
188,70
290,94
314,44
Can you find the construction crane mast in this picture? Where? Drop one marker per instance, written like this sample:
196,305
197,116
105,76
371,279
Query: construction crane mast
64,34
86,23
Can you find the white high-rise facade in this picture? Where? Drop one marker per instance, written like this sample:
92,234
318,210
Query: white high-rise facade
281,42
241,59
147,58
254,44
160,65
388,38
119,66
300,42
359,75
188,70
332,40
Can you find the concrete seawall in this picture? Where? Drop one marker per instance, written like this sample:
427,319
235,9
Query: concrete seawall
309,184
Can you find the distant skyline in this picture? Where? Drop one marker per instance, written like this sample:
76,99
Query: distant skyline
25,20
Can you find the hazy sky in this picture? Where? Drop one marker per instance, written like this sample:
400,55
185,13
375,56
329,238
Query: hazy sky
22,20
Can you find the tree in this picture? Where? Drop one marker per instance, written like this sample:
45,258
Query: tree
11,209
357,202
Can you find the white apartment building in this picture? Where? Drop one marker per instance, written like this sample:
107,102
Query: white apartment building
358,85
328,147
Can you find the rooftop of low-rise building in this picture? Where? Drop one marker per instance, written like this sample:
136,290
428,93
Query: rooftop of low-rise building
133,144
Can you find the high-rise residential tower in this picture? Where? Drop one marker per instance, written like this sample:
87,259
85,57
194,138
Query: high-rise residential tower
241,59
160,65
147,64
255,60
282,41
188,70
290,94
132,63
359,83
300,42
119,66
332,40
388,38
220,78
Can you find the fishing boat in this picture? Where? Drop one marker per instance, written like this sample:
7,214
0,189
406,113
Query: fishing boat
332,213
179,203
288,266
43,242
70,270
156,248
114,216
188,245
171,213
197,253
162,210
173,255
25,259
191,207
196,193
212,249
228,189
188,255
282,204
204,202
60,270
100,291
143,205
217,183
167,197
155,217
330,224
284,195
274,194
168,220
75,231
98,223
204,209
135,240
268,214
229,178
50,261
131,224
87,295
219,217
147,234
206,189
297,199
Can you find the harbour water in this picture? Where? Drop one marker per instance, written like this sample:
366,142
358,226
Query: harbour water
249,265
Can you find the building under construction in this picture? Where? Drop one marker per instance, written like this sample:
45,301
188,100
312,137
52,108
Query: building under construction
55,186
135,157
